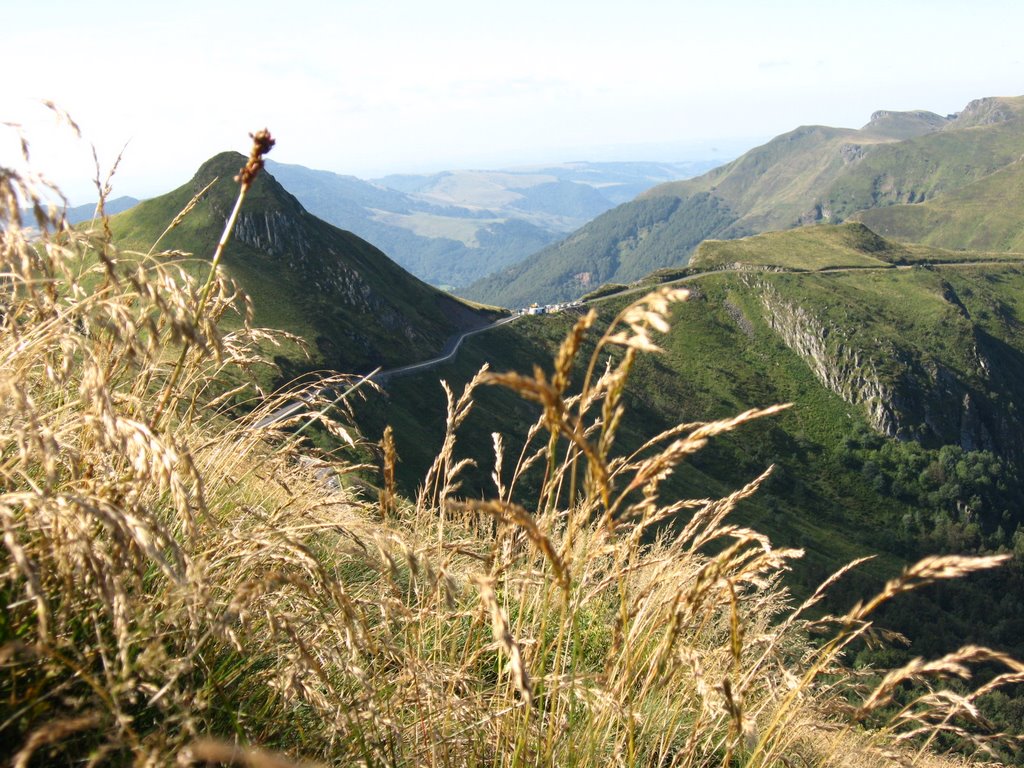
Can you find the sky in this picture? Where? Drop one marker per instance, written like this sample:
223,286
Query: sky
370,87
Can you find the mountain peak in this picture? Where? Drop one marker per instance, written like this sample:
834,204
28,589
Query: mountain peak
990,110
219,165
356,307
266,193
904,125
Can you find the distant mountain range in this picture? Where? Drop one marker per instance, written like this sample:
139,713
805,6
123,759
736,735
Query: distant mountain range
356,308
454,227
79,213
952,181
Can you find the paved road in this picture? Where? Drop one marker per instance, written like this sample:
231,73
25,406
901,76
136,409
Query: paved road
753,270
448,352
451,346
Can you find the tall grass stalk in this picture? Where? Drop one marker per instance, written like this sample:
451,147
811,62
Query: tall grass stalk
261,144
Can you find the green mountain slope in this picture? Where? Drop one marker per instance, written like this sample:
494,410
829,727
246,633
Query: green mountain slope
624,244
809,248
816,173
356,307
904,366
906,125
983,215
809,175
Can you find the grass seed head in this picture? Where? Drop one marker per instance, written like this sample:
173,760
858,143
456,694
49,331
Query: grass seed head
262,143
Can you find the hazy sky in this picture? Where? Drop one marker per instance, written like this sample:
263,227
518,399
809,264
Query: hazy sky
369,88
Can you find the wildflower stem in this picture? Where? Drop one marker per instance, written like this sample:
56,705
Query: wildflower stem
262,143
204,297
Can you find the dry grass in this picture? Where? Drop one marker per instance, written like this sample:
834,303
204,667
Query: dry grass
184,589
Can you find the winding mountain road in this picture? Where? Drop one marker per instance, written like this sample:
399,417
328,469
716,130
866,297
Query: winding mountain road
448,352
451,346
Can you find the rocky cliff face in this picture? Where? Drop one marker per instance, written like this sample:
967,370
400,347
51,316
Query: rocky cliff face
905,393
284,236
836,364
274,232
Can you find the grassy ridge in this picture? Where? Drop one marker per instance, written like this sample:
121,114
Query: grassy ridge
823,247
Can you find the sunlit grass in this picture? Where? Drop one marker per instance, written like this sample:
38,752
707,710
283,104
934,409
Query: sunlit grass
183,588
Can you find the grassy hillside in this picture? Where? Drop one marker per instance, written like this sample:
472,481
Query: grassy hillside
183,589
828,246
904,436
811,248
624,244
818,173
906,125
983,215
963,168
355,307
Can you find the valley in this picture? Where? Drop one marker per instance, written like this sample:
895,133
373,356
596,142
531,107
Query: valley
453,227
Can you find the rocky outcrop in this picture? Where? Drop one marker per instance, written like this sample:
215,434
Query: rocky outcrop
851,153
739,317
817,214
274,232
835,363
985,111
908,394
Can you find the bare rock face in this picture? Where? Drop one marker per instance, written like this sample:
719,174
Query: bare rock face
851,153
836,364
905,394
819,212
987,111
272,231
